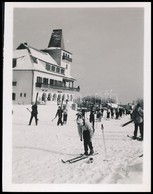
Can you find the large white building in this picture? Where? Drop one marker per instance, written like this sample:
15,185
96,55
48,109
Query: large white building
46,71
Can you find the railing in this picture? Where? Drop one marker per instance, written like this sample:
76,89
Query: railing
41,85
67,58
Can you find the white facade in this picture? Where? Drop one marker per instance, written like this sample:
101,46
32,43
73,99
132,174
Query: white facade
36,71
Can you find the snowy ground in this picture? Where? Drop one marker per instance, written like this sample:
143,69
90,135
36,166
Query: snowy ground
38,150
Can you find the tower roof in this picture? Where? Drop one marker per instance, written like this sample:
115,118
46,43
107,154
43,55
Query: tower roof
56,39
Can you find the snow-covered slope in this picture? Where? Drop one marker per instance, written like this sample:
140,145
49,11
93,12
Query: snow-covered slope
38,150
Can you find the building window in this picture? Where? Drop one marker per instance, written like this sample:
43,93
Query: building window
55,82
14,83
14,62
20,94
45,81
13,96
51,82
66,66
47,66
53,68
39,79
24,94
57,69
62,71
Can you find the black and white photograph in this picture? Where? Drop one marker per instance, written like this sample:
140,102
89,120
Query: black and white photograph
77,97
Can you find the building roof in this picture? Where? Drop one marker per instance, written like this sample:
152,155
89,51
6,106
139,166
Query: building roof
56,39
24,49
38,54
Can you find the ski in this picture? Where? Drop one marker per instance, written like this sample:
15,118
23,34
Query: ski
131,137
137,138
123,125
81,158
36,98
84,157
78,158
64,161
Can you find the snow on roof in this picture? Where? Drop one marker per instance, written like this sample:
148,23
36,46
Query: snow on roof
19,53
25,49
41,55
35,53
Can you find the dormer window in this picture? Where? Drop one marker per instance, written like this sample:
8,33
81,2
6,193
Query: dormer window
62,71
47,66
57,69
53,68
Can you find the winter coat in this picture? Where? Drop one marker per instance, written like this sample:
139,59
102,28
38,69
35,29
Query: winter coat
86,126
91,116
34,109
59,113
137,115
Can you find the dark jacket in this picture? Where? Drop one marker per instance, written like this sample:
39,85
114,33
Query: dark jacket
137,115
59,113
34,109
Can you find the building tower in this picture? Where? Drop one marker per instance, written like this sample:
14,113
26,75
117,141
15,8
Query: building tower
46,71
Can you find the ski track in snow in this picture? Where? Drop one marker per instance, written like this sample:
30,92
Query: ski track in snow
38,150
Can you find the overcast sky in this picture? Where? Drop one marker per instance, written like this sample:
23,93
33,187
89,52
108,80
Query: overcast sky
107,45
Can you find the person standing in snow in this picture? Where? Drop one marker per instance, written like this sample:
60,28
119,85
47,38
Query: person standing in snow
108,113
137,116
92,118
59,114
117,113
85,130
83,112
65,115
112,113
34,113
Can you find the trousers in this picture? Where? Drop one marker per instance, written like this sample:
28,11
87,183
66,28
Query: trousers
140,126
87,141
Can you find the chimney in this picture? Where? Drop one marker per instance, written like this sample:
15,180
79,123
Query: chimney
56,39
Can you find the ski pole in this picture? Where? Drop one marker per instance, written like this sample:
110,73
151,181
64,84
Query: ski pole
28,110
102,128
53,118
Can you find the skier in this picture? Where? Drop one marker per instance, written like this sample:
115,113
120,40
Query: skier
108,113
59,113
85,130
137,116
34,113
92,118
83,112
117,113
65,115
99,115
112,113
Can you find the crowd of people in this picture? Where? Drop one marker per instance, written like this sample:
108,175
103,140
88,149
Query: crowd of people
86,127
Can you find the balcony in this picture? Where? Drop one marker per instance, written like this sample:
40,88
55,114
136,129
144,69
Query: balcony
41,85
67,58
